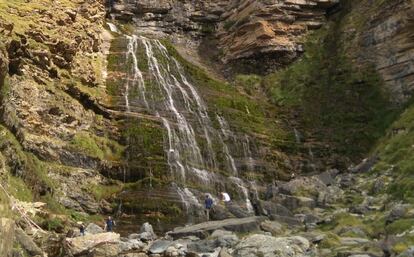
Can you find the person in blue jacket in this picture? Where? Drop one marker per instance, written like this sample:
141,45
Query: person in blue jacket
109,224
208,204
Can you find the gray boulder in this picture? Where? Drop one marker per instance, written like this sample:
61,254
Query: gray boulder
93,229
274,227
160,246
365,166
303,186
268,246
27,243
219,238
328,177
273,208
396,213
203,230
223,253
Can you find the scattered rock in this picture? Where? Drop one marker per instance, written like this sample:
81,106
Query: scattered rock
27,243
328,177
224,253
353,241
274,227
88,243
93,229
268,246
202,230
365,165
159,246
396,213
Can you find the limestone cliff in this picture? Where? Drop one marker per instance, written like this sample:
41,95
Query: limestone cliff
53,70
255,36
79,132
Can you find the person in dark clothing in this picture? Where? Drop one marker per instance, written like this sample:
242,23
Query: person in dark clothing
82,229
208,204
109,224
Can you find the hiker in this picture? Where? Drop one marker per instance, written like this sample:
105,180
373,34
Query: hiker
82,229
225,197
109,224
208,204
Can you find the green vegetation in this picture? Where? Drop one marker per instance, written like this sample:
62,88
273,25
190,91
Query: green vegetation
404,244
19,189
98,147
400,226
396,153
330,241
145,151
228,24
249,83
105,191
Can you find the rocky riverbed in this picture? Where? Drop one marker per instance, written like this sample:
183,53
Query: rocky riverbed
319,219
139,109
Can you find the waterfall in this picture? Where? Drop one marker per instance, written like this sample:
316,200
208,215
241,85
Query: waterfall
191,141
239,183
297,136
248,153
112,27
225,130
135,78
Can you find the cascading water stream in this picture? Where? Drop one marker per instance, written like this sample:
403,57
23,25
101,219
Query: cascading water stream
248,153
167,94
112,27
225,130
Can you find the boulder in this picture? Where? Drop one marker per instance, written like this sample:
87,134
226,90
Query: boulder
272,208
80,245
268,246
397,212
132,244
328,177
107,250
27,243
223,253
203,246
346,180
365,166
134,255
202,230
274,227
353,241
146,227
219,238
160,246
296,202
237,210
290,221
304,186
219,212
93,229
